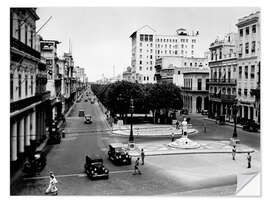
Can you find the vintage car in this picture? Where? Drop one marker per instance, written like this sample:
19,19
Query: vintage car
55,135
184,111
221,120
35,163
204,112
95,169
88,119
81,113
251,126
118,154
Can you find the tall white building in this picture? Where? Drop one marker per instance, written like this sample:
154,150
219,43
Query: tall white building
248,65
147,46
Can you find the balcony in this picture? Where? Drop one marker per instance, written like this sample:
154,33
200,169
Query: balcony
24,48
20,104
222,81
224,98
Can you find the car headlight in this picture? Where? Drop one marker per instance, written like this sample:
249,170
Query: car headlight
95,169
106,171
92,171
126,156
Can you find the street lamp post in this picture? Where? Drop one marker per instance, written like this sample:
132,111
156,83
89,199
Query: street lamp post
235,118
131,138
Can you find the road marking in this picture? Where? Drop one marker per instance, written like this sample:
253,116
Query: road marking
73,175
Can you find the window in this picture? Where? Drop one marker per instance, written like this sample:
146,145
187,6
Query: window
150,67
19,29
144,78
31,39
185,63
253,46
194,41
182,46
192,52
252,72
151,39
247,30
190,64
11,86
146,38
140,62
179,72
140,50
220,54
141,37
140,44
239,91
247,48
253,28
186,40
19,85
26,85
147,78
245,92
140,68
26,30
151,45
241,32
199,84
246,72
192,46
151,57
240,72
175,52
151,62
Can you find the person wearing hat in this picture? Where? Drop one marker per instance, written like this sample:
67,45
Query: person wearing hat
52,184
142,156
136,167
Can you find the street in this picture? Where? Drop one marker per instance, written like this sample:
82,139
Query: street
160,174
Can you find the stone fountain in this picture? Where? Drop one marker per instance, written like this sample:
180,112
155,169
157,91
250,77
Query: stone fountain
184,142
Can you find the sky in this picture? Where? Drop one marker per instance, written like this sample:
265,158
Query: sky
100,35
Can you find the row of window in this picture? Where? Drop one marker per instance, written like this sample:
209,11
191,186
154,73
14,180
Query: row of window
223,90
247,48
21,81
146,44
174,40
240,92
150,68
247,29
146,38
173,46
247,73
188,83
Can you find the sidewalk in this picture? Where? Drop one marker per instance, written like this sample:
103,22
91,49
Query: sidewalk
206,147
150,130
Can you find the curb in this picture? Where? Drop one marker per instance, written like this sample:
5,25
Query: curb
226,123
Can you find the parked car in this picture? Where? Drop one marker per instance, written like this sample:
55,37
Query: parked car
81,113
87,119
35,164
95,169
184,111
221,120
55,135
118,154
204,112
251,126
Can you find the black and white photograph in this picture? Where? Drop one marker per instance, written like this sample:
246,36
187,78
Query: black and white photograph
134,101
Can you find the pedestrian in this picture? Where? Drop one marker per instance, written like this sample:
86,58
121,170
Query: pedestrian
233,152
204,127
142,156
249,160
172,136
177,124
184,127
136,167
52,185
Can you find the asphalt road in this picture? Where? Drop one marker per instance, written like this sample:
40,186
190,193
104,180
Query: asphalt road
67,159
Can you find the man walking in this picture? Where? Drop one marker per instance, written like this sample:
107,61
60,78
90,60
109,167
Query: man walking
142,156
233,153
136,167
52,189
249,160
172,136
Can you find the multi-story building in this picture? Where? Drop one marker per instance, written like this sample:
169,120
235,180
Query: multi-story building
49,52
171,68
195,89
147,46
248,65
129,75
223,77
28,98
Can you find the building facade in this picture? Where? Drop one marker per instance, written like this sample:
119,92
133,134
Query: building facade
223,77
171,68
248,66
28,97
147,46
195,89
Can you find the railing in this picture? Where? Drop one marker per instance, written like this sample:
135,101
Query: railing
223,97
23,47
222,81
20,104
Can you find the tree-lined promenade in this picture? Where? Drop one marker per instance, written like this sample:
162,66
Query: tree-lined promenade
157,98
